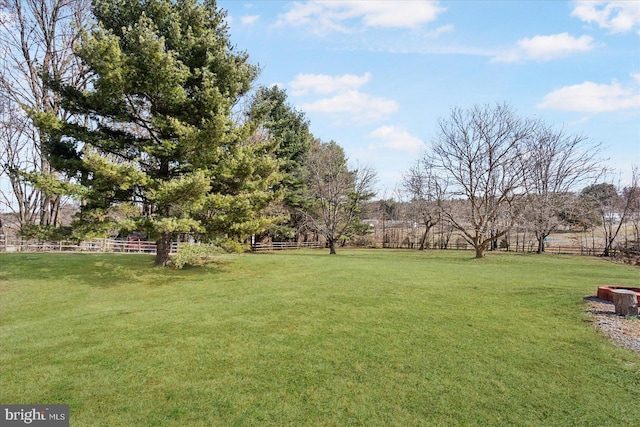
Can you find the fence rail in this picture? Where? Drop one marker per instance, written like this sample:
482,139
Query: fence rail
278,246
572,250
124,246
96,245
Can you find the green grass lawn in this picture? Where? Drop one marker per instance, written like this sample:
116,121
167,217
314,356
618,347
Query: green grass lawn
367,337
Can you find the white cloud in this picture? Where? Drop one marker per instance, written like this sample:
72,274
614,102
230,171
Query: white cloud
348,102
361,106
249,19
326,84
615,16
398,14
590,97
440,30
325,16
398,138
546,48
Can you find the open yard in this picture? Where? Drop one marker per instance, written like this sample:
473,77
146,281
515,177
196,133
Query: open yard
367,337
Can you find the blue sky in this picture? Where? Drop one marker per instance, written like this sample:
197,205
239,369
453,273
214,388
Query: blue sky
375,76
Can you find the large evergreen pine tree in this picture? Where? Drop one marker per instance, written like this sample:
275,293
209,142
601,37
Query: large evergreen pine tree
156,146
289,130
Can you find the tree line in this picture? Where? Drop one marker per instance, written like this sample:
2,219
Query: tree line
489,170
148,119
588,221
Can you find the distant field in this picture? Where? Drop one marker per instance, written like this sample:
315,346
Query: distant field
367,337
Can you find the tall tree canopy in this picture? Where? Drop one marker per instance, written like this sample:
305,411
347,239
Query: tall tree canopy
276,119
290,129
155,145
477,154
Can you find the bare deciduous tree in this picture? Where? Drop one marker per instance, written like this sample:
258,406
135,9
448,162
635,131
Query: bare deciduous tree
612,205
618,212
631,193
555,164
477,155
336,194
37,38
16,154
425,195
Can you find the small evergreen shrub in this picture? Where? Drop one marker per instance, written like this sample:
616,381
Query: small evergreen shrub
194,254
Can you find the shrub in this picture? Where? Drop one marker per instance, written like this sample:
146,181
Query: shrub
194,254
233,247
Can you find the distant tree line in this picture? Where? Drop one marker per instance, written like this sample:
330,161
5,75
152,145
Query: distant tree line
145,118
584,222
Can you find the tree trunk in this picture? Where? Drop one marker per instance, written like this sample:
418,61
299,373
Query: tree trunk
479,251
423,242
44,211
492,243
332,247
50,204
540,245
163,249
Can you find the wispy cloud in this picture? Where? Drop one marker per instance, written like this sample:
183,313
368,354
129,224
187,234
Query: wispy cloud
398,138
361,107
326,84
615,16
440,30
546,48
328,16
249,19
590,97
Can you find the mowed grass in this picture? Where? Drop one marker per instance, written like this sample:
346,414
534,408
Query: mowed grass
367,337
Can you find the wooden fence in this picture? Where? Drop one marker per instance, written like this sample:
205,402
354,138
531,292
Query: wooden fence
573,250
96,245
125,246
139,246
278,246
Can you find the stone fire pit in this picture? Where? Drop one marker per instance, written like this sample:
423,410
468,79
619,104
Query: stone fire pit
604,292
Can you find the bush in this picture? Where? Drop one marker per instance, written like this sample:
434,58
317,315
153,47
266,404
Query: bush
194,254
47,233
233,247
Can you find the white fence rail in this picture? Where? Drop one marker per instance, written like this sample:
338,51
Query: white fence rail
125,246
97,245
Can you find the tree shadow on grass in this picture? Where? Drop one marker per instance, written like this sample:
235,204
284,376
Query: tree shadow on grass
99,270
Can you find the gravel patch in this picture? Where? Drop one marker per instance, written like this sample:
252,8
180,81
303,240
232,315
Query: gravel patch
621,330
